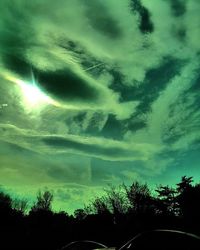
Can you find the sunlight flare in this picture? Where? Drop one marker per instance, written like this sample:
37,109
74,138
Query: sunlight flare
32,94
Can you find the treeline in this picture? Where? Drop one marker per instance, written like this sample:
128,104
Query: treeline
111,219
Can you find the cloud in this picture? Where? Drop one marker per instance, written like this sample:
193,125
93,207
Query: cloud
146,25
90,146
101,20
173,119
178,7
21,167
66,85
72,196
67,169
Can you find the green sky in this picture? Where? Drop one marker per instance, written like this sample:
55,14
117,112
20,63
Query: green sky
97,92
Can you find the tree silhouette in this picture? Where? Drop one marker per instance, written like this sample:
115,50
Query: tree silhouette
99,205
20,205
116,200
185,195
44,201
80,214
184,184
112,218
5,202
189,202
167,203
139,197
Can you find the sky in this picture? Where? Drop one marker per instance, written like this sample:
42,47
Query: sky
96,93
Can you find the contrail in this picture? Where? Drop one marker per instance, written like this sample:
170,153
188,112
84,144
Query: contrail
95,66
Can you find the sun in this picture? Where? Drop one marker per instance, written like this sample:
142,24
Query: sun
32,95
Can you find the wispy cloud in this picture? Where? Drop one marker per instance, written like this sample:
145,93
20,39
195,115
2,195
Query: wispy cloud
95,147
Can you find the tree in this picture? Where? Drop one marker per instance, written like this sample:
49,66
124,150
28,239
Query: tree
116,199
100,205
184,184
80,214
20,205
188,199
5,202
139,197
44,201
167,203
184,190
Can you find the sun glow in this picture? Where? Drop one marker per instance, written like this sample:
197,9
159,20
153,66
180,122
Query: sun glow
31,93
33,97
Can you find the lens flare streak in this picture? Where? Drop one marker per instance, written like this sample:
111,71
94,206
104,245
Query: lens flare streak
32,94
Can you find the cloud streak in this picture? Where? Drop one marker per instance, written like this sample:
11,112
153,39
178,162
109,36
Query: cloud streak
91,146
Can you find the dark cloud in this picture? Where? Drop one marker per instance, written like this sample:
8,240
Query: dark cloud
170,135
180,33
15,37
88,62
61,174
79,118
67,193
98,150
118,86
17,149
67,85
178,7
76,122
70,45
102,170
183,114
112,150
195,86
101,20
113,128
146,25
70,172
146,93
136,123
16,63
94,127
155,81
